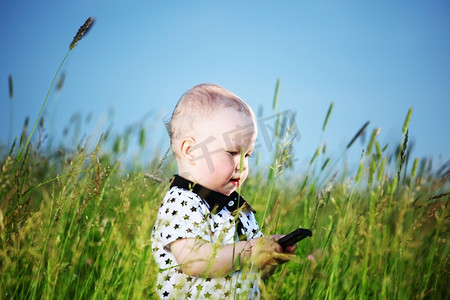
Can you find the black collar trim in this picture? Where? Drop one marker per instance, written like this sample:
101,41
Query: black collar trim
214,199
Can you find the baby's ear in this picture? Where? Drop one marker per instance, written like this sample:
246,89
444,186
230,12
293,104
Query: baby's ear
186,147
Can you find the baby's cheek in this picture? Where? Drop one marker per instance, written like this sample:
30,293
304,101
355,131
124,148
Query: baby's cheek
244,175
228,164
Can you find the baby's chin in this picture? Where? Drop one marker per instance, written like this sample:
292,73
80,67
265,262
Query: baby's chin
227,191
231,186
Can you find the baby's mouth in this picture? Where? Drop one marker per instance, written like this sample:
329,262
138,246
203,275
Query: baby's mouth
235,181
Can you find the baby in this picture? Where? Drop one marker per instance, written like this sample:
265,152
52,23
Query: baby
206,240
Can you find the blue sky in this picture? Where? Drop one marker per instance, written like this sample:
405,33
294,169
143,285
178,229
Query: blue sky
373,60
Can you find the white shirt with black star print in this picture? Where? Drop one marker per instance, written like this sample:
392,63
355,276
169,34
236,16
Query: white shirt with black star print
192,211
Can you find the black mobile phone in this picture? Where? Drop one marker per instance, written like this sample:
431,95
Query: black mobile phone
294,237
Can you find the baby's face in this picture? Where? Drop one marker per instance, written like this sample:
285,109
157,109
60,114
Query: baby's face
223,145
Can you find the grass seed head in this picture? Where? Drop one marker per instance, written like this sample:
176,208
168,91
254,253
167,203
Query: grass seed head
60,83
358,134
359,173
405,146
11,87
414,167
406,123
375,132
330,109
81,32
275,97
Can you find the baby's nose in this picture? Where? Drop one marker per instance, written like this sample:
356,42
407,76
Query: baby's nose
243,162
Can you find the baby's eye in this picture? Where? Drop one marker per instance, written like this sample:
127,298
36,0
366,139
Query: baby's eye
233,153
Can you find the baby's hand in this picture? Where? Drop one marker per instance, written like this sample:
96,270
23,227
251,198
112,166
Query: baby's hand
267,254
288,249
266,251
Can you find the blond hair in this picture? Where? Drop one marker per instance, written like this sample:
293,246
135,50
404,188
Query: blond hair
199,103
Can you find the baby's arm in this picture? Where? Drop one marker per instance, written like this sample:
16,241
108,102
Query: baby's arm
199,258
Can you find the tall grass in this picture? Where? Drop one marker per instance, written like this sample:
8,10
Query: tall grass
75,223
376,235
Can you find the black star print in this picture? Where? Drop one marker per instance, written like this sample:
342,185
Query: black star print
167,277
178,208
